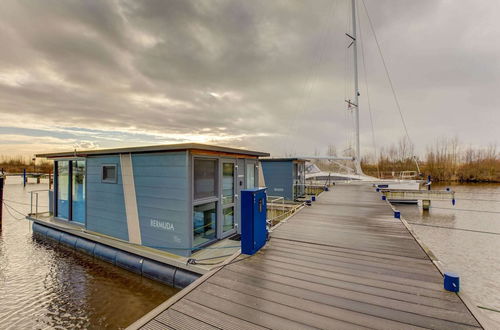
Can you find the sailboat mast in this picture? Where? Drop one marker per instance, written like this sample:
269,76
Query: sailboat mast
357,159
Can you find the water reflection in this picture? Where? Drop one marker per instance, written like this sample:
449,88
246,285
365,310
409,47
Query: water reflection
473,255
46,285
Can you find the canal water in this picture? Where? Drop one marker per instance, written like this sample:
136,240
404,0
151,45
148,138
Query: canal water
44,285
466,239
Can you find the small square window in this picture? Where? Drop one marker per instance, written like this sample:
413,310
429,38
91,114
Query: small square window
109,173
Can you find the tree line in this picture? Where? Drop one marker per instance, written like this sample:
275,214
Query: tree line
445,160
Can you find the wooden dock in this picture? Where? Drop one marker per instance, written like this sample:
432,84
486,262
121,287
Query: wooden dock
344,263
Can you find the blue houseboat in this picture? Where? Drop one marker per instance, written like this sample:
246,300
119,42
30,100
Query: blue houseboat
176,198
284,177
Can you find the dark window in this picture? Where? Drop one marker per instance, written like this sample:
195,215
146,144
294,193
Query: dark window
205,178
109,173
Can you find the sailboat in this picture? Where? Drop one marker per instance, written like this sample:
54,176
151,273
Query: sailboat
355,174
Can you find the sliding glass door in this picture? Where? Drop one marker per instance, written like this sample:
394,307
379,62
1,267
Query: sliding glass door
78,191
70,190
228,198
63,189
205,200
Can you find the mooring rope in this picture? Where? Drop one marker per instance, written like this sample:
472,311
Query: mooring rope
466,210
7,207
461,229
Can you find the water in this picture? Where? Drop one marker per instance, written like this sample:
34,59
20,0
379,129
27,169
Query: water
475,256
46,285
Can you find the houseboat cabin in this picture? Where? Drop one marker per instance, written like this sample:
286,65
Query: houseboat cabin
176,198
284,177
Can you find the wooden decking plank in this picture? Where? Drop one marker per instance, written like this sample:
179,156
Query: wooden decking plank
427,282
324,249
243,311
349,290
430,270
214,317
352,257
303,310
155,325
283,312
178,320
346,243
320,308
349,300
287,270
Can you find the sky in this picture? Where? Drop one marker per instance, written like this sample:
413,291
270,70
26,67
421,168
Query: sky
264,75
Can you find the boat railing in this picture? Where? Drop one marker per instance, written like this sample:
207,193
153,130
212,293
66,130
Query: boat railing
35,207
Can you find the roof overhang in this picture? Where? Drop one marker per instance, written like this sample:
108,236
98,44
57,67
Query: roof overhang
154,148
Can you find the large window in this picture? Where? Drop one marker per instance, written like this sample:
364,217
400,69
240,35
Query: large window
250,175
63,189
205,198
70,190
227,183
205,178
204,223
78,191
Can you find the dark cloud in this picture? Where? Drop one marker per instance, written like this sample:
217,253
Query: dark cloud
269,75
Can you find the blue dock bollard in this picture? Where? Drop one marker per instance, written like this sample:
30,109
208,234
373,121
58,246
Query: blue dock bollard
25,178
453,202
313,198
397,214
451,282
253,220
383,197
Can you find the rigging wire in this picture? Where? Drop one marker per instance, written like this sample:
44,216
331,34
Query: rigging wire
396,100
368,96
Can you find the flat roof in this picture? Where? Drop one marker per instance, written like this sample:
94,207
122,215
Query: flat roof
283,159
154,148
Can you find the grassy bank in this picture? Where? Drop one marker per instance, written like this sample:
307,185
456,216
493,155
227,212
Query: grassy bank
447,160
16,164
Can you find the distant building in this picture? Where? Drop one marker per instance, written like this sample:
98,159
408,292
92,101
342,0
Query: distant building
284,177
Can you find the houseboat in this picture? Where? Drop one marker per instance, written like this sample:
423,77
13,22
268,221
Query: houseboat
176,198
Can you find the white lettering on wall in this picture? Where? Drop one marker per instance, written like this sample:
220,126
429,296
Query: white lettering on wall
164,225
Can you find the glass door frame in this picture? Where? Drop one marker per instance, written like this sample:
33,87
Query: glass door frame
205,200
221,234
70,190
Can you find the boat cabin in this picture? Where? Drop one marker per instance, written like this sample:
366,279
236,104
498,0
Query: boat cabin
177,198
284,177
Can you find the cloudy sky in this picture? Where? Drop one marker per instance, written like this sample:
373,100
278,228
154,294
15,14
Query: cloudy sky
265,75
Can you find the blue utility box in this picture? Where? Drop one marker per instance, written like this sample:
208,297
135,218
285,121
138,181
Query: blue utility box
253,220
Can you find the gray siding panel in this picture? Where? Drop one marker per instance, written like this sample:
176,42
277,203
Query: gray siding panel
279,178
105,202
161,186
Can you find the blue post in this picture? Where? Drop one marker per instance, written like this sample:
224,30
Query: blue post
453,201
313,198
397,214
25,179
451,282
383,197
377,190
